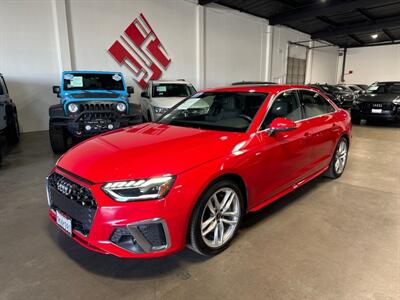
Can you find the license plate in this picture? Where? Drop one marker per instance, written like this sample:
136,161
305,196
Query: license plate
64,222
376,110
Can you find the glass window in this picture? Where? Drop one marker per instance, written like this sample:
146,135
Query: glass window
224,111
314,104
170,90
385,88
286,105
87,81
1,87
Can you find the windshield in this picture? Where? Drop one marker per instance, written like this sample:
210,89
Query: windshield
328,88
172,90
87,81
229,111
343,88
385,88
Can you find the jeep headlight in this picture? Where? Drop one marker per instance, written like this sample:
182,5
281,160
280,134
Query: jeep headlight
121,107
160,110
136,190
73,108
396,101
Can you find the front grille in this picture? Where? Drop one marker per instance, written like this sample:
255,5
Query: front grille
97,107
366,107
74,200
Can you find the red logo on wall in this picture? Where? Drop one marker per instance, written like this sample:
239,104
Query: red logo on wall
140,50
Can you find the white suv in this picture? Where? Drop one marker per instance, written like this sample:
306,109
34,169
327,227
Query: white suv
161,95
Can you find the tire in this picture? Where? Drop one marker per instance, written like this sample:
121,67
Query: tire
333,172
202,214
58,139
12,131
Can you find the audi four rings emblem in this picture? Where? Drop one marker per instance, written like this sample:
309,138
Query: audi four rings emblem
64,187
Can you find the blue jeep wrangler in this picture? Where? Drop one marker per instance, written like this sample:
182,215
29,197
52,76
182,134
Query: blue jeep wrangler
91,103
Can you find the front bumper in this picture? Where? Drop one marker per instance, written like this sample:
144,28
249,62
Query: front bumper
89,123
364,111
112,220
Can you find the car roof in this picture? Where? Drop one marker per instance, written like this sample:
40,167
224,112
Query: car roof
91,72
275,88
172,81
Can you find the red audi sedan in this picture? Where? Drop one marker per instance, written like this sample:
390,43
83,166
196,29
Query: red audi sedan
188,179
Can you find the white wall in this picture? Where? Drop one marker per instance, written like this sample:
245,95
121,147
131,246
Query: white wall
28,58
209,46
234,49
370,64
323,65
280,50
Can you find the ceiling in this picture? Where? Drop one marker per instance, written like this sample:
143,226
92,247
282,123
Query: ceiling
344,23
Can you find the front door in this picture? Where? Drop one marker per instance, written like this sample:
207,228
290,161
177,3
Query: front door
282,157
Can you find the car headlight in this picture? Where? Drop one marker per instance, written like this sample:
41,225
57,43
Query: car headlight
396,101
73,108
160,110
143,189
356,102
121,107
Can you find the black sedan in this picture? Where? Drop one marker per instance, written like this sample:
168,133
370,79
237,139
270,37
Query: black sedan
341,98
382,101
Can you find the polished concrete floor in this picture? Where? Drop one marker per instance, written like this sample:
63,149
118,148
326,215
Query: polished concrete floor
329,240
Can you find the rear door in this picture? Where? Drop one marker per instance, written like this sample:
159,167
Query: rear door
3,102
324,130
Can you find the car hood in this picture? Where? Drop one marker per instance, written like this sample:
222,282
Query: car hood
82,95
378,97
166,102
147,150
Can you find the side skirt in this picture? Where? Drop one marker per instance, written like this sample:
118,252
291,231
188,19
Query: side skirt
288,190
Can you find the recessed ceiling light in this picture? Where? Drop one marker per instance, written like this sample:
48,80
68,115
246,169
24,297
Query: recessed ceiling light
374,36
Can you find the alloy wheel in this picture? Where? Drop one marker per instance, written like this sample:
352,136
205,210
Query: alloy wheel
341,157
220,217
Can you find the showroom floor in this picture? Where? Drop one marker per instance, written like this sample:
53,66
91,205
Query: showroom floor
329,240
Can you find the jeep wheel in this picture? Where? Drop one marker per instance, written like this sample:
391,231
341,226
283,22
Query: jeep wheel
58,139
12,131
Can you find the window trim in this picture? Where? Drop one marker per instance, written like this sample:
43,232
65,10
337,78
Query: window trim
297,91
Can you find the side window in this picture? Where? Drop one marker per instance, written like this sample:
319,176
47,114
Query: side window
286,105
2,86
314,104
192,90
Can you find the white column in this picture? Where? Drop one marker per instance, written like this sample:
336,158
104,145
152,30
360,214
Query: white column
61,32
200,47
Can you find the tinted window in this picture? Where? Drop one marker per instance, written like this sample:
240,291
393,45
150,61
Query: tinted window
285,105
385,88
86,81
228,111
314,104
171,90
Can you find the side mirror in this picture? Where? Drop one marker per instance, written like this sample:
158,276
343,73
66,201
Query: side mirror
144,95
281,125
130,90
56,90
